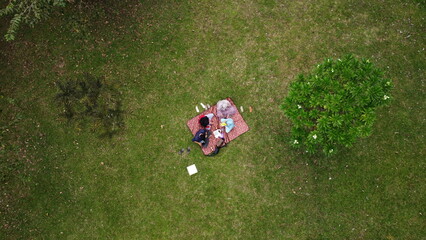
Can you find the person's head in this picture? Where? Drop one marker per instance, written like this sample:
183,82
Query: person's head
204,121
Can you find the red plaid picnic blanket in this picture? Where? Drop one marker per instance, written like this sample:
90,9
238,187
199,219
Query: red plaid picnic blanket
240,127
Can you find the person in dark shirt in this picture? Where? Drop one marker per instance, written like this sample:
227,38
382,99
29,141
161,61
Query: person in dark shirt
202,137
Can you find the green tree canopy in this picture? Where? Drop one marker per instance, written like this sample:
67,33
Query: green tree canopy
28,12
335,104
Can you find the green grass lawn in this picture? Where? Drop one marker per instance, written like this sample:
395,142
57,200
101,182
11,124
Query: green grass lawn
62,181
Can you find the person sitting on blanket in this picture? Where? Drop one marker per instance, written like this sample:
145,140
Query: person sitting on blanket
202,136
225,109
204,121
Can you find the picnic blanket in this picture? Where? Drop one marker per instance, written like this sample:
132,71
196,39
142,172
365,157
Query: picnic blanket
240,127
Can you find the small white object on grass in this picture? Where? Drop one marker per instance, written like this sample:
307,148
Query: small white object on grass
192,169
208,105
241,108
196,109
204,106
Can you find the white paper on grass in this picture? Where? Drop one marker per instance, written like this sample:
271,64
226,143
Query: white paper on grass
192,169
196,109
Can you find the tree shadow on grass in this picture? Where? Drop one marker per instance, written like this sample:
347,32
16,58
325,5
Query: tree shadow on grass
91,102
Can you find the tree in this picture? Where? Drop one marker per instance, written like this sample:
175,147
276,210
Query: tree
28,12
335,104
